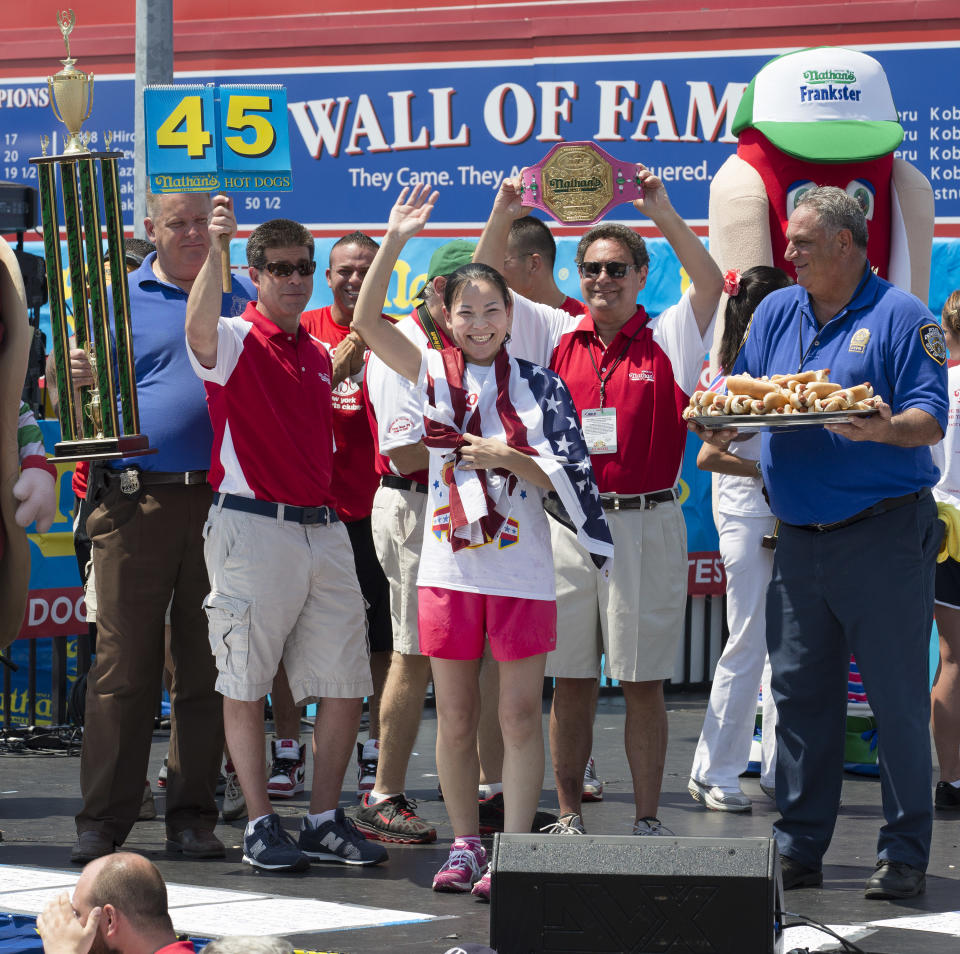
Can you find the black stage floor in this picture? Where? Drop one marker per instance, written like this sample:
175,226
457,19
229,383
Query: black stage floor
39,795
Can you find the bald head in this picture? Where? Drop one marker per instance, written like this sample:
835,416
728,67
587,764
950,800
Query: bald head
132,886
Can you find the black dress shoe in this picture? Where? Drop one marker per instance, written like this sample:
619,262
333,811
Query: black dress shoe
946,798
196,843
796,875
90,846
895,879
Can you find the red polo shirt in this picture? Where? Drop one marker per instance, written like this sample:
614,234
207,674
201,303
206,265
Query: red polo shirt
649,387
573,306
270,406
355,478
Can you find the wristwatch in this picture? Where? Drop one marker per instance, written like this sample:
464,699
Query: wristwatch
759,469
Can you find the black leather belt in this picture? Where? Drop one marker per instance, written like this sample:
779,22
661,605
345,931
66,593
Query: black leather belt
308,516
148,477
638,501
883,506
402,483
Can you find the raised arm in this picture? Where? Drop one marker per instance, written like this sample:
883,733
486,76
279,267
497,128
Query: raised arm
206,295
705,277
507,208
408,216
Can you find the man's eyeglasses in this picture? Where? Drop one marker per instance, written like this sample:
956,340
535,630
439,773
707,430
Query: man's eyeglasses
286,269
613,269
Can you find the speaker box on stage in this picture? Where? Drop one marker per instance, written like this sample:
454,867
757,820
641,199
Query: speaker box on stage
589,894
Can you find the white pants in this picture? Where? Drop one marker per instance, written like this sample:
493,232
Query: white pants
724,747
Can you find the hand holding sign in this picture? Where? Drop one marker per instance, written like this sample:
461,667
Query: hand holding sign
207,139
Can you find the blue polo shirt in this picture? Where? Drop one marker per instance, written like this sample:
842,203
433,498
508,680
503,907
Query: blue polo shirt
172,401
884,337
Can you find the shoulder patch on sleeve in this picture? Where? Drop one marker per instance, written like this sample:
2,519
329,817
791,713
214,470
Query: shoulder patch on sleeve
933,342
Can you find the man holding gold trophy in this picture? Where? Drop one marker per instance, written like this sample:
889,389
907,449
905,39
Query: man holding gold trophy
148,507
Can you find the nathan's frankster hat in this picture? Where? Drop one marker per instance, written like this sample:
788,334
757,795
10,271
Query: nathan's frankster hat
824,104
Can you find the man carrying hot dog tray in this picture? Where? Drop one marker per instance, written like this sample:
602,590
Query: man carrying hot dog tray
854,564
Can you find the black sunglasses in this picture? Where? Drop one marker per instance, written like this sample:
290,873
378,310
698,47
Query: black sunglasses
613,269
286,269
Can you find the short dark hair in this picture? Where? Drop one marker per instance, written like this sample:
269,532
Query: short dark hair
837,210
617,233
755,284
355,238
474,271
531,234
136,889
276,233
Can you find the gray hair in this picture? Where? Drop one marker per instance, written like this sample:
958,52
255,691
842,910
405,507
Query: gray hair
247,944
837,210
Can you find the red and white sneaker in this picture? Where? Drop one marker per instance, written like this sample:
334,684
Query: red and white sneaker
288,769
592,786
461,870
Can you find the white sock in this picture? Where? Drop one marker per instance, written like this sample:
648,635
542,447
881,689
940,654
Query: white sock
317,820
253,822
371,750
493,788
374,798
286,748
956,784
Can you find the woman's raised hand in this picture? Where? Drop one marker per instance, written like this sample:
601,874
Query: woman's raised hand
412,210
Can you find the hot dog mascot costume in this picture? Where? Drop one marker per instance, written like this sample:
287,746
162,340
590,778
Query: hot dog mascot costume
821,116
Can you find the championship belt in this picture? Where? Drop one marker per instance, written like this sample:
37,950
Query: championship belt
577,182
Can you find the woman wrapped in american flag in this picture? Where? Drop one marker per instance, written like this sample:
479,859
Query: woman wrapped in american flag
502,432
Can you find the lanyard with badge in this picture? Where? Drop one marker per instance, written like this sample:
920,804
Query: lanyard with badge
600,423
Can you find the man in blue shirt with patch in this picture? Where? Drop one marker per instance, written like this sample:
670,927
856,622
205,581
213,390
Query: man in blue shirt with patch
146,528
854,564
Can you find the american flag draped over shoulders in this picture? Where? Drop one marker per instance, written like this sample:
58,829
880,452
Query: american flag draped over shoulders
530,409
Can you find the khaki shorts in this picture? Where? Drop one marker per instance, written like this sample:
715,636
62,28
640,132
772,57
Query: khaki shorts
397,520
636,617
284,591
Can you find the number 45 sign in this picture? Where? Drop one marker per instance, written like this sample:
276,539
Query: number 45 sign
206,139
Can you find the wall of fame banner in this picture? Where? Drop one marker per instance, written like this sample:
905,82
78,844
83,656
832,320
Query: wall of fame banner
358,134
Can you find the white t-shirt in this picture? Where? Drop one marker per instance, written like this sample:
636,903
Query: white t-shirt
519,561
946,454
742,496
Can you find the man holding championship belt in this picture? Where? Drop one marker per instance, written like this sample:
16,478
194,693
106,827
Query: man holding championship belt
630,382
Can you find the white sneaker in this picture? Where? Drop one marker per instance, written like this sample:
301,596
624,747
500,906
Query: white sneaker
288,769
650,826
570,824
234,804
592,786
719,799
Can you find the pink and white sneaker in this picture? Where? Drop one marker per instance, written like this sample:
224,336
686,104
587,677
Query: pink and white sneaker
461,871
481,890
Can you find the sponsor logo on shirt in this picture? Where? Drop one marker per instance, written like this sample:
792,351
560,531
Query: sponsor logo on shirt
644,375
324,376
400,425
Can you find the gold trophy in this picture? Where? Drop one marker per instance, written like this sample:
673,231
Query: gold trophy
91,431
71,90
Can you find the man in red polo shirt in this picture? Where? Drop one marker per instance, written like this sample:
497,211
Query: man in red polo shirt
282,580
355,478
630,379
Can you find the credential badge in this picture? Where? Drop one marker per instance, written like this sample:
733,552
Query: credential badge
129,481
933,343
858,343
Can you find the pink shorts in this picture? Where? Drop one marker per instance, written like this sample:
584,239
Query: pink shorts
453,624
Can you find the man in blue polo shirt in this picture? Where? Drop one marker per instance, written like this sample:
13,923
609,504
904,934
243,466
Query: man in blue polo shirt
854,563
146,528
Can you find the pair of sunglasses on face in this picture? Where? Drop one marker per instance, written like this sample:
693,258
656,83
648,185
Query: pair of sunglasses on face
613,269
286,269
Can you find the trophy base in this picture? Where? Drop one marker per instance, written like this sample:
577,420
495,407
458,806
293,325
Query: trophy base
103,448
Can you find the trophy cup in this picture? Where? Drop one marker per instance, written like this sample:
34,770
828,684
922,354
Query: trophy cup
577,182
89,423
